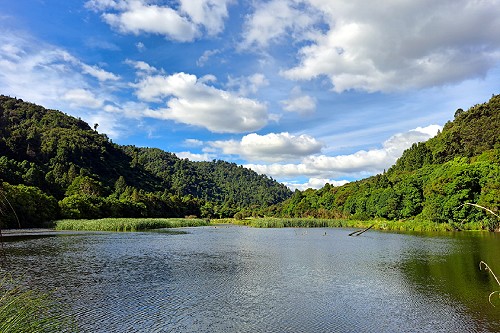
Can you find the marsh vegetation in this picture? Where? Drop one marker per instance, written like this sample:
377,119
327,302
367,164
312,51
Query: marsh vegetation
127,224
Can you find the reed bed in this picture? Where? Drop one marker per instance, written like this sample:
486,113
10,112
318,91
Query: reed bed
127,224
418,226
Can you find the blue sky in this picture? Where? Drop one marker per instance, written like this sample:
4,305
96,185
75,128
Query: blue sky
305,91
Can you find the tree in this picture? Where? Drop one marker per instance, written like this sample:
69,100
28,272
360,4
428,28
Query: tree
84,185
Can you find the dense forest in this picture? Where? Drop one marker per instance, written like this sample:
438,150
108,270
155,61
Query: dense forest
434,181
56,166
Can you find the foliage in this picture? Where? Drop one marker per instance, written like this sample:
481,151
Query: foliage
432,181
28,206
61,159
57,158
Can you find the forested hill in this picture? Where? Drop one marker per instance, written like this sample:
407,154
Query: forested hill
432,181
58,166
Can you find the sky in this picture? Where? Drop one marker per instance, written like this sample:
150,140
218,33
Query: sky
307,92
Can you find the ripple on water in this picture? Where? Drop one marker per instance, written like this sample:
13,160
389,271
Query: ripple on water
239,280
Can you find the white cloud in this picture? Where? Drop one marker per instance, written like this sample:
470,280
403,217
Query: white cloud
273,20
140,46
152,19
96,43
83,98
99,73
315,183
206,56
48,75
207,13
142,68
359,164
111,124
271,147
390,46
195,157
193,143
298,102
247,85
183,24
191,101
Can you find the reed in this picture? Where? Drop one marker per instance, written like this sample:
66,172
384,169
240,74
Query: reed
23,310
127,224
417,226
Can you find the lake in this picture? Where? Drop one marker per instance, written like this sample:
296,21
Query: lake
239,279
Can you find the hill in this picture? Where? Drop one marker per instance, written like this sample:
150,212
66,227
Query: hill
54,165
431,181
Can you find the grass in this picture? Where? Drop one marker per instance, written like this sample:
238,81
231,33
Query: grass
127,224
418,226
23,310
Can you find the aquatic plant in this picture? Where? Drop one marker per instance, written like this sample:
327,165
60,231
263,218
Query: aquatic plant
23,310
127,224
379,224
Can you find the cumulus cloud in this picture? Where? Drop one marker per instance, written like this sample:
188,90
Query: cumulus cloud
273,20
111,124
298,102
247,85
389,46
359,164
181,23
207,13
195,157
315,183
271,147
141,67
192,101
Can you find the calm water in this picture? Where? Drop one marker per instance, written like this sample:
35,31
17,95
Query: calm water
238,279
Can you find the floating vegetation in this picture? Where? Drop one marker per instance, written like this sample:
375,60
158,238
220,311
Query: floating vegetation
127,224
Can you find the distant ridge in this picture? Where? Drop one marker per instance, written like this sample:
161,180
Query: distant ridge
86,175
432,181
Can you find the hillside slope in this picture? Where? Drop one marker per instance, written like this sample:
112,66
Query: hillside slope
432,180
61,159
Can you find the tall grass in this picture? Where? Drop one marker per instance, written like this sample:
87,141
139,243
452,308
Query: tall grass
127,224
419,226
23,311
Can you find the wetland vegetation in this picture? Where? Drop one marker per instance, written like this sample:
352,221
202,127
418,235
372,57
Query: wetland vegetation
127,224
53,166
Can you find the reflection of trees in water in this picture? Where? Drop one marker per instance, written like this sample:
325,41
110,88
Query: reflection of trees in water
450,274
5,205
483,265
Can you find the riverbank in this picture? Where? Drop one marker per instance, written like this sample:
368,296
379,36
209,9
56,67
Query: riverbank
419,226
142,224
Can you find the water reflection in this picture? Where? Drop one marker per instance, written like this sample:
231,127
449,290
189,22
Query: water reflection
240,279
